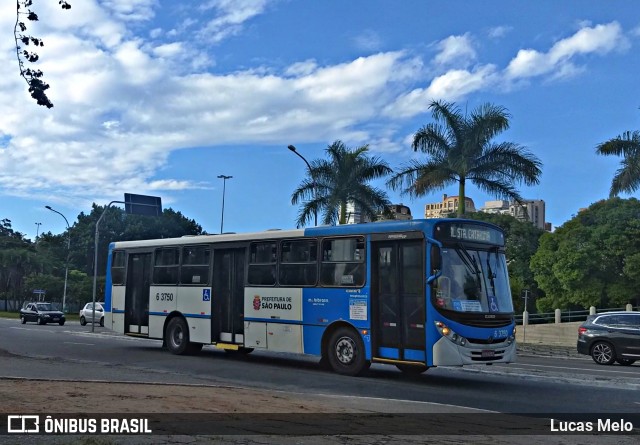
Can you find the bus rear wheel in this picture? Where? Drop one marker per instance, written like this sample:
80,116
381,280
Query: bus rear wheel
177,338
345,352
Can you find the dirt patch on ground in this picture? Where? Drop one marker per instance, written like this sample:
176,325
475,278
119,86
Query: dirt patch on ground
29,396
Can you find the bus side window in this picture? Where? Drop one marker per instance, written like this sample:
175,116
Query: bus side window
166,265
117,267
195,265
343,262
262,264
298,263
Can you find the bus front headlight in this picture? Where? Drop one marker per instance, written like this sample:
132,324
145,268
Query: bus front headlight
447,332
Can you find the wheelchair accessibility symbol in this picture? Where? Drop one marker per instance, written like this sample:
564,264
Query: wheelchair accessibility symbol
206,294
493,304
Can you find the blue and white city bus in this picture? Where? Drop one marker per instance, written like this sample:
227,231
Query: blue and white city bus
415,294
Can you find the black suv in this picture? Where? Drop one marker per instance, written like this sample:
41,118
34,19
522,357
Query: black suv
611,337
41,313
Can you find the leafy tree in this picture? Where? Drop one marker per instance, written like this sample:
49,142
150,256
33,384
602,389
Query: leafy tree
522,240
460,149
627,177
343,178
24,268
18,258
592,259
33,77
116,225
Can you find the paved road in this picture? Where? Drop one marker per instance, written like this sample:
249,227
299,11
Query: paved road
545,380
559,384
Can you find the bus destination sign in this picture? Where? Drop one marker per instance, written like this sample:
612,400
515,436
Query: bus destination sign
475,233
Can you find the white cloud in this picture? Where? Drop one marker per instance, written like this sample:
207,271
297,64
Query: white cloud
368,40
168,50
455,50
130,10
600,39
301,68
230,16
499,32
450,86
123,104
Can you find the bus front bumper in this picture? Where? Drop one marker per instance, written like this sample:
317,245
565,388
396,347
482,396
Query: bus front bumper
448,353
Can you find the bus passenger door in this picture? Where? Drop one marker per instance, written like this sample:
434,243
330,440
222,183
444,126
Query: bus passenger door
228,296
136,299
398,300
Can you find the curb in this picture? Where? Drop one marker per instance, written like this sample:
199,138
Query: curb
549,350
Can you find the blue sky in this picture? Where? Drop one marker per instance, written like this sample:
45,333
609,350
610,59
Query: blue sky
160,97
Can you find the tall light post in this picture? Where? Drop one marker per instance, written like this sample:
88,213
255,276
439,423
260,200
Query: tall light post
224,184
313,179
66,266
38,230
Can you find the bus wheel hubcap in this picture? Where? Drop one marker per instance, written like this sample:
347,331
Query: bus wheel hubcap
345,350
177,337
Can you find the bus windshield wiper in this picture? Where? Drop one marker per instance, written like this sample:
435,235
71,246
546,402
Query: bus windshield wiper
491,274
469,262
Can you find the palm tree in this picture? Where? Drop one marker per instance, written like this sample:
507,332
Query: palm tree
627,177
460,149
341,179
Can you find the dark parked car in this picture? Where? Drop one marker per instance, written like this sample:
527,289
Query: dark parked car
41,313
611,337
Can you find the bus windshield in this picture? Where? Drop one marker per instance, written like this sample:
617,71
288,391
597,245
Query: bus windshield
473,280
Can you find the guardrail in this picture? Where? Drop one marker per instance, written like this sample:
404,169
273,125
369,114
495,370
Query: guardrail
567,316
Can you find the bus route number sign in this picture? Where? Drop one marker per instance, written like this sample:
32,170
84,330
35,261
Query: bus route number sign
469,232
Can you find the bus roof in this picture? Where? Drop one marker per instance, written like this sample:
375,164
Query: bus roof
424,225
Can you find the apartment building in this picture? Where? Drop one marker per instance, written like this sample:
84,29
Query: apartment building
447,206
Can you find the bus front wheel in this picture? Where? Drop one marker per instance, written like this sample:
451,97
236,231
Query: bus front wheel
177,338
346,353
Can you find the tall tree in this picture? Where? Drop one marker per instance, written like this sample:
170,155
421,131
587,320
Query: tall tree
592,259
627,177
460,148
343,178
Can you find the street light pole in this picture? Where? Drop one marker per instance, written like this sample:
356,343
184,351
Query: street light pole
95,262
313,179
66,266
224,184
38,230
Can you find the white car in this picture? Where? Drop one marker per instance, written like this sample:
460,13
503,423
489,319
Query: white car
86,314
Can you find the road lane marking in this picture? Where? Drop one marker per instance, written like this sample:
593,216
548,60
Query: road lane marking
384,400
608,371
77,343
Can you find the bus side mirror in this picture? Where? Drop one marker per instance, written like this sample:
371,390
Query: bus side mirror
436,259
436,264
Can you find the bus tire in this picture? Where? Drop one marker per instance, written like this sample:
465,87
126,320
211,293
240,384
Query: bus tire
177,336
346,353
